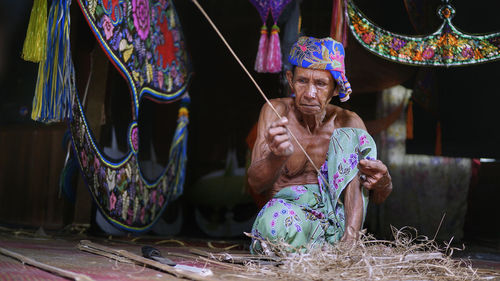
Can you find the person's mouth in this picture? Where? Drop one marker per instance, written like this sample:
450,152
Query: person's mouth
310,105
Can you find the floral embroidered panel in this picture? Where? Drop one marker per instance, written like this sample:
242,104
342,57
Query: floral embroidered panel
144,40
121,192
445,47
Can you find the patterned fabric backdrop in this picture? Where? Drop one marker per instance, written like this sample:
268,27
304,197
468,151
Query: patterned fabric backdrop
424,187
143,38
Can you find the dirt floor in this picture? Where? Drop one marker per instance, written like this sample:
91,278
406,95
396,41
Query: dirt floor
43,254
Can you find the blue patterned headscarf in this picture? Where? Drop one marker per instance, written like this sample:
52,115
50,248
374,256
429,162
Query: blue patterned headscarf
325,53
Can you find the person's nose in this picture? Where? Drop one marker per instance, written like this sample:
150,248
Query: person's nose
311,91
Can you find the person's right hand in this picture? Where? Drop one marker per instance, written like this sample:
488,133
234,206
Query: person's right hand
278,138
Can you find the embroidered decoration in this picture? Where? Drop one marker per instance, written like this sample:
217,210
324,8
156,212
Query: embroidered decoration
122,194
445,47
144,40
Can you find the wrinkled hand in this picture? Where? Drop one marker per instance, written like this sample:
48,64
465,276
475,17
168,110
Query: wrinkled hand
374,175
278,138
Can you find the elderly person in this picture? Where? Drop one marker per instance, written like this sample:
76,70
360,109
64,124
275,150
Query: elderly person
305,208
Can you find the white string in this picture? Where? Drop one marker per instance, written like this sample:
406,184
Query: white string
257,86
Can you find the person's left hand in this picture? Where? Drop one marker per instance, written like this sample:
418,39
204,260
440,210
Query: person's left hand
374,175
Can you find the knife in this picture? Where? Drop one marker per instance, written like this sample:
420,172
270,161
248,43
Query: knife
154,254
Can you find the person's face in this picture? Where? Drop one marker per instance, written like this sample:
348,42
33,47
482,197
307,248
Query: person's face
313,88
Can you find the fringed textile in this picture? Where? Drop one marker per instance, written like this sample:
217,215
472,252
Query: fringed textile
260,60
273,60
55,84
35,44
178,150
269,52
274,64
262,7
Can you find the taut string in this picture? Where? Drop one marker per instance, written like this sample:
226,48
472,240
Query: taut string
257,86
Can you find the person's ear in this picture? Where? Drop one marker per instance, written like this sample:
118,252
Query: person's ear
336,89
289,78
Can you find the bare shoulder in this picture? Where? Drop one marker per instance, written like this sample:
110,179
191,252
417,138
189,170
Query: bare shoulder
346,118
282,106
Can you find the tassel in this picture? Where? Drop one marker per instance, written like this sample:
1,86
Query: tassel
260,61
274,52
409,121
55,84
178,152
69,172
36,36
438,150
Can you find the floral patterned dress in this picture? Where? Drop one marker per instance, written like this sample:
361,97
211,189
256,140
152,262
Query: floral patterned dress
312,214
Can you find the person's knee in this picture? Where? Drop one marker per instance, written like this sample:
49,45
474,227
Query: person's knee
283,222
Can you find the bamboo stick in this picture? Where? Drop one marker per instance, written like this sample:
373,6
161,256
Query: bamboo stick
46,267
108,255
176,272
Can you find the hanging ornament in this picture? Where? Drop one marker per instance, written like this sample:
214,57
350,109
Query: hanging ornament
262,7
35,44
55,84
273,61
260,60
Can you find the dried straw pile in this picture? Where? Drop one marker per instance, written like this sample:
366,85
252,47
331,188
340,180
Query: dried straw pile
408,257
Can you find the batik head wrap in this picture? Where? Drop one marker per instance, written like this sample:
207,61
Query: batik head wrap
325,53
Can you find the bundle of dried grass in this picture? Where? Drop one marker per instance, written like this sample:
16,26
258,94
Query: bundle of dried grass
409,257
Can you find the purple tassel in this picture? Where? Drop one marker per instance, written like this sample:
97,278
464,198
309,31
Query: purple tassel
273,64
260,61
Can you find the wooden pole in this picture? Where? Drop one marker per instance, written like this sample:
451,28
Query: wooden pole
46,267
103,250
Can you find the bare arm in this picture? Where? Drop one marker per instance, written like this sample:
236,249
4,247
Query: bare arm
377,178
272,149
353,207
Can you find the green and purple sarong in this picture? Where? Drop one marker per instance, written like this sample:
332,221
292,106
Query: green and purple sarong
312,214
